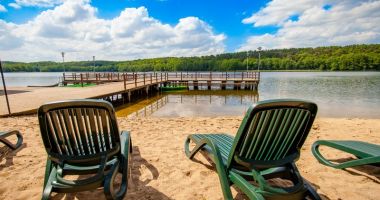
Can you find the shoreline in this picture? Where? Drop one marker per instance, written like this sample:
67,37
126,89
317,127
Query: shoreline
161,170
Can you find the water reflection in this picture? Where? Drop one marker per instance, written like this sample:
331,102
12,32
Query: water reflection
192,103
338,94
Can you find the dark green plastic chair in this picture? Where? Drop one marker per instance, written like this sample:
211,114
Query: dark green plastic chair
266,146
5,134
367,154
81,137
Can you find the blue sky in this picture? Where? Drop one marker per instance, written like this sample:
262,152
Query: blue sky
130,29
224,16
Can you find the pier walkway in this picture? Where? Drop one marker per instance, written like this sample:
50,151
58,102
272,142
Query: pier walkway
122,88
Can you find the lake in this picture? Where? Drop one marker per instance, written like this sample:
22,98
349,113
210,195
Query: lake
338,94
22,79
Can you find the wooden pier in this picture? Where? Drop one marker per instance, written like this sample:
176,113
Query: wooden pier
123,87
249,80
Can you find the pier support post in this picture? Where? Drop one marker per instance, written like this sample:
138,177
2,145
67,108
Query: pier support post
237,85
209,84
224,85
157,86
195,84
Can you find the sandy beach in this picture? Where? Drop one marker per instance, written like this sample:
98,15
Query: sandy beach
162,171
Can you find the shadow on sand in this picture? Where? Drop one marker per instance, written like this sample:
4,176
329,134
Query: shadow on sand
137,183
370,171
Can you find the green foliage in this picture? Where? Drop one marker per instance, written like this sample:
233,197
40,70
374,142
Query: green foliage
334,58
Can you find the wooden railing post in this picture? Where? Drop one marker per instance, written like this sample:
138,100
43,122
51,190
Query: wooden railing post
81,79
135,77
125,81
181,76
155,73
242,75
210,76
64,78
161,76
144,78
151,81
226,75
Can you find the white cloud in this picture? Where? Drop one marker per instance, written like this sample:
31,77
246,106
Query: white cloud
14,5
2,8
346,22
38,3
8,40
73,27
277,12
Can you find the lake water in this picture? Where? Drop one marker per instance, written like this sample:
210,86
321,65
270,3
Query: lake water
338,94
23,79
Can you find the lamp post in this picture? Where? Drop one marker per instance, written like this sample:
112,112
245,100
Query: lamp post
93,59
258,67
5,88
63,61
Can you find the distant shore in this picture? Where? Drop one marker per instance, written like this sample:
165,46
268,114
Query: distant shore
162,171
205,71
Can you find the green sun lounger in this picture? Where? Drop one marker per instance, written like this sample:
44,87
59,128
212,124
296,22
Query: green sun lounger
266,146
5,134
81,137
367,154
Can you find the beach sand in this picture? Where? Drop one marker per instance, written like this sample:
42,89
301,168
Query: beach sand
162,171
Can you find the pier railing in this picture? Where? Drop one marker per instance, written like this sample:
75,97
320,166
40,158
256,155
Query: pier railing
130,78
213,76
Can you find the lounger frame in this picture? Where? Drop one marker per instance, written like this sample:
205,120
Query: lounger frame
81,137
267,144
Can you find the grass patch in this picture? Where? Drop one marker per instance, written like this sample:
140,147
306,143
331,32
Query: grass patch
173,88
80,85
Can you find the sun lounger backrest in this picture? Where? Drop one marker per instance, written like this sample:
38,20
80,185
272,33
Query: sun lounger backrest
79,129
273,132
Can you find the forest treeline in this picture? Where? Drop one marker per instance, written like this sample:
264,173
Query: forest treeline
333,58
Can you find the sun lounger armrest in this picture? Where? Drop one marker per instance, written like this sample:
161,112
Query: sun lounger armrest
3,135
362,161
126,147
126,150
251,191
223,178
